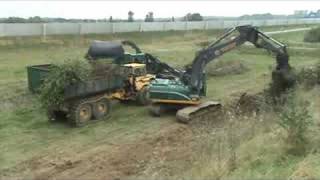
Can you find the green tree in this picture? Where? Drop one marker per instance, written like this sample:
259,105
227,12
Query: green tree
15,20
149,17
193,17
130,16
35,19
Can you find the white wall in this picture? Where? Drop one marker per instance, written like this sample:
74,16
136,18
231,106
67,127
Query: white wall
24,29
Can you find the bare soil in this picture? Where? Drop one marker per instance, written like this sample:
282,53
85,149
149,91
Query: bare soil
113,161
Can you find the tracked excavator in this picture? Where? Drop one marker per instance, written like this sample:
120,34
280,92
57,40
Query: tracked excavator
184,92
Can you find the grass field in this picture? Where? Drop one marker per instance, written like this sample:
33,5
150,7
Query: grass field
132,143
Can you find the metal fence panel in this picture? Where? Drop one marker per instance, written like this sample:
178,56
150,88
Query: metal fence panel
196,25
21,29
63,28
33,29
175,26
126,27
96,28
2,30
152,26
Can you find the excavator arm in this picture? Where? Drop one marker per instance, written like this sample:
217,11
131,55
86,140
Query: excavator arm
159,68
194,74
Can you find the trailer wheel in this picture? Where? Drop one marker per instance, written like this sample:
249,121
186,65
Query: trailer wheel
81,113
101,108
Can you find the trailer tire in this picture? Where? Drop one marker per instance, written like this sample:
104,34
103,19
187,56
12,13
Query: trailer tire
101,108
80,113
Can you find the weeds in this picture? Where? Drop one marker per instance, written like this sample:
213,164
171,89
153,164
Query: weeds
313,35
295,119
309,76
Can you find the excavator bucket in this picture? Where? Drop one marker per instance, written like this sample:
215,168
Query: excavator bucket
202,111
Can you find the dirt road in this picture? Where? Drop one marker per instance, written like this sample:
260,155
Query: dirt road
287,31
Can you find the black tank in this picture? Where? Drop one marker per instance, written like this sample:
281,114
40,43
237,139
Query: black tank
105,49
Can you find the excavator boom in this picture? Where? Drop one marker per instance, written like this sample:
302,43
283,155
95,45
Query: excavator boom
213,51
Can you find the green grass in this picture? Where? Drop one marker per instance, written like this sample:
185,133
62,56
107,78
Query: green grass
26,133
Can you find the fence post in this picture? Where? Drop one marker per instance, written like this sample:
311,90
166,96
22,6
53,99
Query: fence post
186,26
112,28
44,32
206,24
79,28
140,27
164,26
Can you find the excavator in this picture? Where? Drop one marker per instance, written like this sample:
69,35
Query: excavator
184,92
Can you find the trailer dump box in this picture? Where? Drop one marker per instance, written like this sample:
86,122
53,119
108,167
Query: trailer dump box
93,87
36,76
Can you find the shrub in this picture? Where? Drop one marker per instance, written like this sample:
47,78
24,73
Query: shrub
61,75
313,35
295,119
309,76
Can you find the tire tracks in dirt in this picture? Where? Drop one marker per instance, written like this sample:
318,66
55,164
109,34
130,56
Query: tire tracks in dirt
113,161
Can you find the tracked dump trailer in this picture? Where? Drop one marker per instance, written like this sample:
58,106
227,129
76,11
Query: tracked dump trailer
88,101
115,75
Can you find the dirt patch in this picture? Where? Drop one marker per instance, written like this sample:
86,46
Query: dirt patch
249,103
144,157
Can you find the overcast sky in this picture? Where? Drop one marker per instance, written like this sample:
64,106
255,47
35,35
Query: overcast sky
119,9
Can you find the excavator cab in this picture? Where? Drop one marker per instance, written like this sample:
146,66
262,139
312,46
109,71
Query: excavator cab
134,69
137,82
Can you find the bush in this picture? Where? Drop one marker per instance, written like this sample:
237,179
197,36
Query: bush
313,35
61,75
309,76
295,119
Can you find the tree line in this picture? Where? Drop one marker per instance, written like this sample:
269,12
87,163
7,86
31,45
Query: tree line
148,18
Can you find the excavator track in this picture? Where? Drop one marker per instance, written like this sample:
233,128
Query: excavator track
204,110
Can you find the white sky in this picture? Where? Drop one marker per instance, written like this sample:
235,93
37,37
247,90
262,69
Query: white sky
119,9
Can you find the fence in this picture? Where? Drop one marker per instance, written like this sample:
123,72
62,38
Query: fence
38,29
